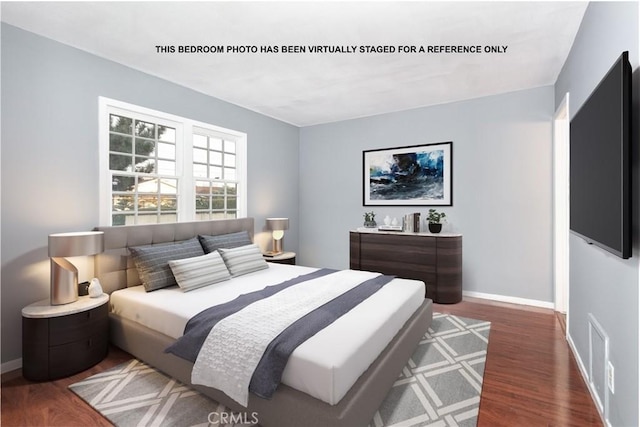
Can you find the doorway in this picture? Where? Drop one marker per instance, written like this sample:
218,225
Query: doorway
561,206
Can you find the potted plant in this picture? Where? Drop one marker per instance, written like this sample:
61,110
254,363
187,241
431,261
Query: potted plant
370,219
434,218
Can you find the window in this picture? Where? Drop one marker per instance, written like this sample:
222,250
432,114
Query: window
157,167
215,172
142,164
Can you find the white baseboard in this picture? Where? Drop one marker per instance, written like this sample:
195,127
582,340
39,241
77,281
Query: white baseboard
512,300
585,377
576,355
11,365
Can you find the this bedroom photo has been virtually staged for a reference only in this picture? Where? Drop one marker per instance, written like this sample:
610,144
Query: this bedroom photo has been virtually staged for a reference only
331,49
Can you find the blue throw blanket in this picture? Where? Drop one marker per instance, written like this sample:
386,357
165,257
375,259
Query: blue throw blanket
269,371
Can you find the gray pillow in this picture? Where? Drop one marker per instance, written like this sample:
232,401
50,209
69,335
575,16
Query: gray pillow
231,240
200,271
243,260
152,261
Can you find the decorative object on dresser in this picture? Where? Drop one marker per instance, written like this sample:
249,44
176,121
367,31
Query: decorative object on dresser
390,224
417,175
434,220
283,258
277,227
411,223
61,340
64,275
436,260
370,219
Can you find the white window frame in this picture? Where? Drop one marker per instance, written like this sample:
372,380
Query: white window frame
210,133
184,156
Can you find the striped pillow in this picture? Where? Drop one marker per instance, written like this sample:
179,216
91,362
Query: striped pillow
152,261
194,273
230,240
243,260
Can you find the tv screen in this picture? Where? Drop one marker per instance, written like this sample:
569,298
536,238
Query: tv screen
599,188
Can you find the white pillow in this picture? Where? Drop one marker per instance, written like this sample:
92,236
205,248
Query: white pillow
243,259
196,272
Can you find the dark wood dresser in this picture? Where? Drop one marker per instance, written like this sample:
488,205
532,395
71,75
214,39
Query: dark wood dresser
436,259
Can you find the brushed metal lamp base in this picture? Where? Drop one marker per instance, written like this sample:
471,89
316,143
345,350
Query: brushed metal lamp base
64,281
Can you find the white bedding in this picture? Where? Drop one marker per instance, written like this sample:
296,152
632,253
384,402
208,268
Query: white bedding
326,365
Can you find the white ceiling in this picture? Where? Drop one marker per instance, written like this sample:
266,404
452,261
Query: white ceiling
306,89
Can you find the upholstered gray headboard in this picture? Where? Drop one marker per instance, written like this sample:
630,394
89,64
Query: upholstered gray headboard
114,266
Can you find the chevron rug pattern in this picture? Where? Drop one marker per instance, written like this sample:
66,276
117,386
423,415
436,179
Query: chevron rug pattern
439,386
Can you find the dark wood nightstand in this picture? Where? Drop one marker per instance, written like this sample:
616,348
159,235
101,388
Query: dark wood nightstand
283,258
61,340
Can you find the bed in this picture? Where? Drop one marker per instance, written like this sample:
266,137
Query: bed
315,391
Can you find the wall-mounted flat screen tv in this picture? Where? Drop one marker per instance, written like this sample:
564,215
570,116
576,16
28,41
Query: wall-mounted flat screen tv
600,163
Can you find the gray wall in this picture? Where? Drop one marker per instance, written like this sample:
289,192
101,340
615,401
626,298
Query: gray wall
502,186
50,156
600,283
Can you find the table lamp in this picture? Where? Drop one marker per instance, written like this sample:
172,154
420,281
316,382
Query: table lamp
277,227
64,275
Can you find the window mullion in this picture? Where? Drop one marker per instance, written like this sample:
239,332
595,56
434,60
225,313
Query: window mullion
187,184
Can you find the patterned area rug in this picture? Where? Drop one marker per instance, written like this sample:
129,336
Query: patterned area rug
439,386
442,381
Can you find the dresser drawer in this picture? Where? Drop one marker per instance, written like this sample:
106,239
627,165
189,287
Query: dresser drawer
435,259
79,326
67,359
431,291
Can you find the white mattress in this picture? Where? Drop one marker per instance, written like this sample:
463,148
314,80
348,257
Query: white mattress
327,364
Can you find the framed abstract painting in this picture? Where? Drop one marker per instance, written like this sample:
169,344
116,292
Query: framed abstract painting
416,175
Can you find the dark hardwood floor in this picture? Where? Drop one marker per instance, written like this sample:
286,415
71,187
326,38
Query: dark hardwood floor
531,378
27,403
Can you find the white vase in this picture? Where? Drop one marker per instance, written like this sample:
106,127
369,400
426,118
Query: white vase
95,290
